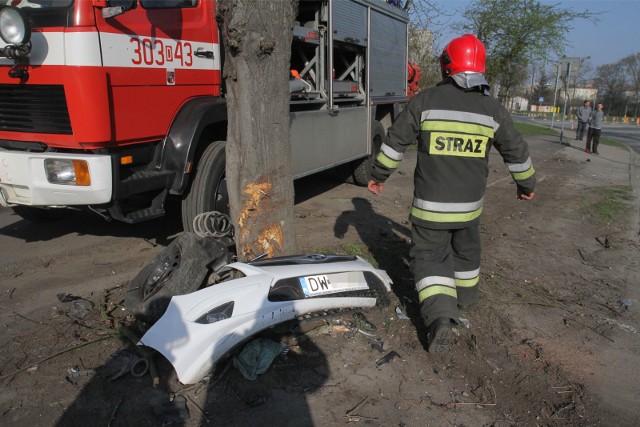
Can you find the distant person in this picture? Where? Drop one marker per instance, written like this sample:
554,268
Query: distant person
455,123
583,115
595,129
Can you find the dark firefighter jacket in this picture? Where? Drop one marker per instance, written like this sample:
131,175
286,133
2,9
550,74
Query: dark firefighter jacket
455,129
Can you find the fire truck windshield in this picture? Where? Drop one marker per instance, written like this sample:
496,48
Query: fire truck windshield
36,4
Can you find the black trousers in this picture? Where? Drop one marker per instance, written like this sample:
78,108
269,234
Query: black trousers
593,134
446,269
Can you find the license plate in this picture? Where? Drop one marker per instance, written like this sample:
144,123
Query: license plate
333,283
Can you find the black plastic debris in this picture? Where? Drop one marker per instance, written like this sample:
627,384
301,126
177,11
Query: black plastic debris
65,297
387,358
80,306
170,411
379,345
75,375
124,362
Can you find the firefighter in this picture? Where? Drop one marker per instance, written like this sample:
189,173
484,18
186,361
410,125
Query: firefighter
455,124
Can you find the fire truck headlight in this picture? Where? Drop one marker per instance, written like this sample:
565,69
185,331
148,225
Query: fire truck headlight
14,26
67,172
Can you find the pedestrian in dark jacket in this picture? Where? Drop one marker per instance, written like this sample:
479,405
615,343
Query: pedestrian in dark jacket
455,123
583,115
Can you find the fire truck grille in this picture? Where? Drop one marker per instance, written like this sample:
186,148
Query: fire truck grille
34,108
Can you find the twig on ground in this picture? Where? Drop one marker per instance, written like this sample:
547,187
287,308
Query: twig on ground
581,256
352,418
26,318
457,404
569,387
528,303
606,306
555,414
357,406
593,329
351,415
56,355
222,374
113,414
204,414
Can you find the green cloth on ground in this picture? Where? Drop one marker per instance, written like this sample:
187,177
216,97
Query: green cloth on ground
256,357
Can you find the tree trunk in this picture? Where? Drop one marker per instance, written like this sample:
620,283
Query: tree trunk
257,37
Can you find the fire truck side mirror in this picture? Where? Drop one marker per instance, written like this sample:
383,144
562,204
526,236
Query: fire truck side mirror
111,8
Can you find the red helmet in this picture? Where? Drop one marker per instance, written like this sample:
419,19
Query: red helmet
464,53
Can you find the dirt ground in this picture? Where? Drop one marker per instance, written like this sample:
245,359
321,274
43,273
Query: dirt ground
552,341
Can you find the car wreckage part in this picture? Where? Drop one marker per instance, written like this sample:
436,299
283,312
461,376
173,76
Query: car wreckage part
200,328
182,267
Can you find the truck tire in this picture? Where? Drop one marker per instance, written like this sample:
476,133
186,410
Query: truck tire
181,268
40,215
362,168
208,191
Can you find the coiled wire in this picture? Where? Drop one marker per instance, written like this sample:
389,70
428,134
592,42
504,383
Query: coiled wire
212,224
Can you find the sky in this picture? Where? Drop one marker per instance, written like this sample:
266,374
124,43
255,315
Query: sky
616,35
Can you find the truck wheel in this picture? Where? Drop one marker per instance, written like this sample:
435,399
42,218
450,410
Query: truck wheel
208,190
362,170
40,215
180,268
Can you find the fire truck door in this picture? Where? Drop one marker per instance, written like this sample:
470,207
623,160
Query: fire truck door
157,55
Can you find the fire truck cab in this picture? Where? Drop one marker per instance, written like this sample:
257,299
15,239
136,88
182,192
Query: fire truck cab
119,105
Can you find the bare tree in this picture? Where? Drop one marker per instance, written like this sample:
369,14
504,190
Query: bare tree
258,170
631,65
610,80
428,17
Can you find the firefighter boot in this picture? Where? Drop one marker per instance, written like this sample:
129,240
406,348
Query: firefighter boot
440,335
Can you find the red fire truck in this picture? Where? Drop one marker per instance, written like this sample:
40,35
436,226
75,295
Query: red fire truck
119,105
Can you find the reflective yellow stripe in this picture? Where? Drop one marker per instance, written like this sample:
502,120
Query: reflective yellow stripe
436,290
467,283
469,128
445,217
387,161
519,176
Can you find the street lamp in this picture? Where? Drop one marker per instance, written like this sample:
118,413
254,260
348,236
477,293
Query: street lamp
576,65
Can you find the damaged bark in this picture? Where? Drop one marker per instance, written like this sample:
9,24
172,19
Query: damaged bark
257,37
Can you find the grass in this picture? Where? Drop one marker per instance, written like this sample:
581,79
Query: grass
611,142
352,249
611,202
527,129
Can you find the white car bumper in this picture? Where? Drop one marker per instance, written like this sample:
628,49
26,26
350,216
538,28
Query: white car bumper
194,346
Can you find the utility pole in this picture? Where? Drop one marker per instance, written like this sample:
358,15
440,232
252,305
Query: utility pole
555,94
564,109
533,76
